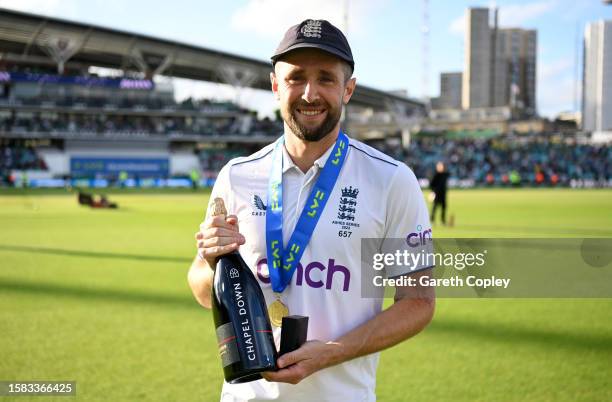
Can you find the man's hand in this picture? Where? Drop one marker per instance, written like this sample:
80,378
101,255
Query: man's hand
299,364
412,311
218,236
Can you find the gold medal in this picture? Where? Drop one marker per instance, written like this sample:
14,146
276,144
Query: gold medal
277,310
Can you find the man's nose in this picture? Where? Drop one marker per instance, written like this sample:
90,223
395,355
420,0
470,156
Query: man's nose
311,92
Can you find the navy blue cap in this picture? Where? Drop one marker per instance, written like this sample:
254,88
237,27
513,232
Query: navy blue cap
318,34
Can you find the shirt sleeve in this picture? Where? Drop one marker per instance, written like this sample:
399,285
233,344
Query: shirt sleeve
407,228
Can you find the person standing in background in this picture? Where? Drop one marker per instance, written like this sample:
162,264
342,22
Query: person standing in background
438,187
194,175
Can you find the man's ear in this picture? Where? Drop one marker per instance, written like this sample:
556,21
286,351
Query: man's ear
274,83
349,88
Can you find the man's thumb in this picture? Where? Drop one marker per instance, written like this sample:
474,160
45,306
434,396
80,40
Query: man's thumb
290,358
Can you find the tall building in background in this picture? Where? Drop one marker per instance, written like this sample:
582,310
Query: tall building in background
514,66
450,91
500,64
597,77
477,62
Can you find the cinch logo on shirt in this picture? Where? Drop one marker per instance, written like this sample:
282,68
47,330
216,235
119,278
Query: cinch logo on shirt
304,274
419,238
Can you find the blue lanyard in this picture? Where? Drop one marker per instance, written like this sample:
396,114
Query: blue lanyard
282,262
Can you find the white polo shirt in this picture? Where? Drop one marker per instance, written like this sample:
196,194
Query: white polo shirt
375,196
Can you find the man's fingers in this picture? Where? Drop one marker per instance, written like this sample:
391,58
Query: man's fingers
232,220
290,358
292,375
304,352
218,235
212,252
223,232
210,240
220,241
217,221
226,238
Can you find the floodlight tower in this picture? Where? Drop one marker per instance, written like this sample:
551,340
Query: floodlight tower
346,18
425,51
577,44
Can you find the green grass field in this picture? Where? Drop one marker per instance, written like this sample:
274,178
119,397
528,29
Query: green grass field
100,297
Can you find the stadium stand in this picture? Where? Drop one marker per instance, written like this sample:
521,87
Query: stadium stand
75,109
45,105
534,159
88,105
64,123
101,127
14,156
103,101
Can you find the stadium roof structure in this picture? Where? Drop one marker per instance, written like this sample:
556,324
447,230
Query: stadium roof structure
31,39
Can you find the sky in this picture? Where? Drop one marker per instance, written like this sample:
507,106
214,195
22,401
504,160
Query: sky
385,36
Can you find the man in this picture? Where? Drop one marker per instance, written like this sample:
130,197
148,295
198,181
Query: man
372,196
438,187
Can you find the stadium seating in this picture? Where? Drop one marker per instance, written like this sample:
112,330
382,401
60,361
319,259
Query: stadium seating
72,110
537,159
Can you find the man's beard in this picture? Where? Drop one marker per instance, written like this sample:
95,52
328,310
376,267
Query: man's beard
316,133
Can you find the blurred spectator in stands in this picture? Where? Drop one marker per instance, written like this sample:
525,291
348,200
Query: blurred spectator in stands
195,178
123,177
17,157
515,178
536,159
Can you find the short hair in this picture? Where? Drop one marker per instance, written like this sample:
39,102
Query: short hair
348,71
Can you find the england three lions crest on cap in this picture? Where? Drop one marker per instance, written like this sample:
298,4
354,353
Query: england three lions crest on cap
316,34
312,29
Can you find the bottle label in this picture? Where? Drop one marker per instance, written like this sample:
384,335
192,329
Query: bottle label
228,347
245,328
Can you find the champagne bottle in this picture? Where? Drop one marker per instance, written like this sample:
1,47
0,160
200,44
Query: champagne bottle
244,333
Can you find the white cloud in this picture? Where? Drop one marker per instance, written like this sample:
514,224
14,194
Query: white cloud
271,18
65,8
511,15
516,15
457,26
556,97
556,68
555,86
